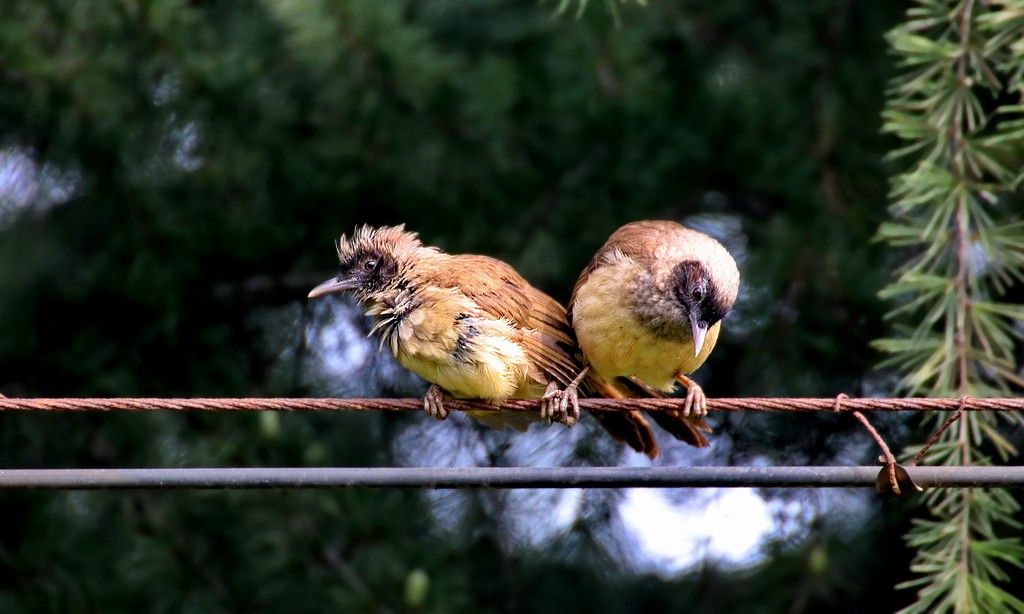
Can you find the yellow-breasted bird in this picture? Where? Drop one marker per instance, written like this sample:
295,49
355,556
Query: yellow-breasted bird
647,311
470,325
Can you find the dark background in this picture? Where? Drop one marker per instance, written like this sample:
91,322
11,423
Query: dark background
173,174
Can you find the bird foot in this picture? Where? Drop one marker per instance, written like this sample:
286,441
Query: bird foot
561,406
696,405
433,403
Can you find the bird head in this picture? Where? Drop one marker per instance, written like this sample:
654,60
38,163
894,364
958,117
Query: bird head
704,293
685,285
372,262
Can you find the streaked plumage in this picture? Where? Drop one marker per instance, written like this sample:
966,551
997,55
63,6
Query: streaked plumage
468,324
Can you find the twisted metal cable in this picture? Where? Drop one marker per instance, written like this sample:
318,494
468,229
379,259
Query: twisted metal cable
332,404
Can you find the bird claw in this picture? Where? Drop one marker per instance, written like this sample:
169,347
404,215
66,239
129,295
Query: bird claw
433,403
696,405
561,406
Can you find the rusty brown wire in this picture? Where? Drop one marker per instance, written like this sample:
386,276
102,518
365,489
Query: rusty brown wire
942,429
887,457
414,404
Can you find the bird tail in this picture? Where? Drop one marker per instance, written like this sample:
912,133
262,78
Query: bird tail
682,428
632,428
629,427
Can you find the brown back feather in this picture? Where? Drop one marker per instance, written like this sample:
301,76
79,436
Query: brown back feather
500,291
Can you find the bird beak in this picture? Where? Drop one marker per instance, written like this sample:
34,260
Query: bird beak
700,330
338,284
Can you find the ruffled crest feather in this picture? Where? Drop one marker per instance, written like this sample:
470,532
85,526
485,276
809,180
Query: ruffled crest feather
385,239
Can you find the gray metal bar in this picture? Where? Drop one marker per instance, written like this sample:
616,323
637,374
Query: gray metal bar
499,477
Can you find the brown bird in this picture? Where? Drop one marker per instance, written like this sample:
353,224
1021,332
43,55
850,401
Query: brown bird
470,325
647,311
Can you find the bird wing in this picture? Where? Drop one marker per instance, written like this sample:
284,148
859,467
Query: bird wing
550,342
500,292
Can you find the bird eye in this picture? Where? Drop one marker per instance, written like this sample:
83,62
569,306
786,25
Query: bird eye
697,295
370,264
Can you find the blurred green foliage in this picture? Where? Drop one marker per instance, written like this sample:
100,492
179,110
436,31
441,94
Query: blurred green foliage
185,166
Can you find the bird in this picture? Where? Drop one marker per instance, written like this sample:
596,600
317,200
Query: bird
470,325
647,311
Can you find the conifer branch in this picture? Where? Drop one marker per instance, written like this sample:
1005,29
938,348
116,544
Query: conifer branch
951,207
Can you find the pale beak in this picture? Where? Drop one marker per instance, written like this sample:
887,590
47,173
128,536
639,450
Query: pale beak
700,330
338,284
